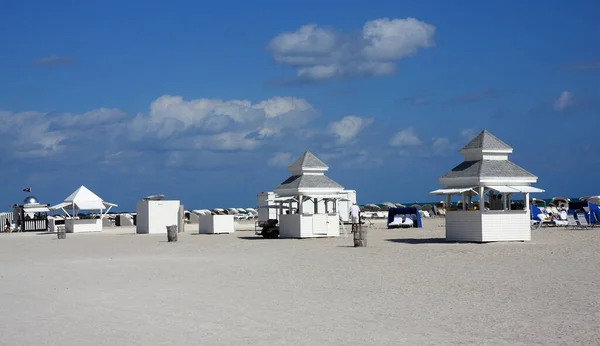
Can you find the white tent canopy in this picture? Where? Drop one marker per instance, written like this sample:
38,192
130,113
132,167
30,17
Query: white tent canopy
83,199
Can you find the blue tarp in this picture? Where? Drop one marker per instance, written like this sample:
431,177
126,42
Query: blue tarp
594,213
406,211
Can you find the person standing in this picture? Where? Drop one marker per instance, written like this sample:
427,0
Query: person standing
354,216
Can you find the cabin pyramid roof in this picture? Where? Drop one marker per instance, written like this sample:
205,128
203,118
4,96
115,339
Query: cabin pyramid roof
83,194
500,169
308,172
307,161
486,141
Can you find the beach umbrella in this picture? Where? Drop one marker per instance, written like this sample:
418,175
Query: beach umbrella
427,207
389,204
591,199
400,205
371,207
416,206
232,211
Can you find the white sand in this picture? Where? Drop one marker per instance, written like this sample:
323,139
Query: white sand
118,288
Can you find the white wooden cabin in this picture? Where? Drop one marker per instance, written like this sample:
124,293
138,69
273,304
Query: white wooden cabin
308,200
268,207
487,175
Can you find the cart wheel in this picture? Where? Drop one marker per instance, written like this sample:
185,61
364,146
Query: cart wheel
270,233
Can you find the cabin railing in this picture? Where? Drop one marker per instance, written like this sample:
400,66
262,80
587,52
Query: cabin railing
35,225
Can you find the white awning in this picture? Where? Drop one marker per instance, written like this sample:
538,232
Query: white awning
330,197
60,205
82,205
89,205
455,191
503,189
527,189
36,210
283,199
515,189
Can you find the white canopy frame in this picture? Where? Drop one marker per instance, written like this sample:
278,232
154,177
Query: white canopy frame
300,199
84,199
505,190
75,208
465,192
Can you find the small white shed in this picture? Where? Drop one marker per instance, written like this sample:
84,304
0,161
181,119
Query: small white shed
487,175
215,224
154,214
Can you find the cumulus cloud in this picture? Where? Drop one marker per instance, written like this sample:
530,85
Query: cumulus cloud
37,134
281,159
405,138
220,124
171,124
347,128
469,133
322,53
563,101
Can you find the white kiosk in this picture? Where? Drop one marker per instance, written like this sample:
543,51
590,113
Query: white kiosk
83,199
215,224
308,183
486,170
154,214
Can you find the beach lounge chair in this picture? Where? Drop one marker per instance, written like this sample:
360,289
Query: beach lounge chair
365,220
583,221
409,221
572,223
397,222
561,223
544,220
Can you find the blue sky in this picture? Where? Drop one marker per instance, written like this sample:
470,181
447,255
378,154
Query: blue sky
208,102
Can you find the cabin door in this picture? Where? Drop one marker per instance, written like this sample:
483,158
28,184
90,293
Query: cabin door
320,224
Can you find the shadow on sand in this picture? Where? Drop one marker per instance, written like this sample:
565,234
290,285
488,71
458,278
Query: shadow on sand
45,233
258,237
415,241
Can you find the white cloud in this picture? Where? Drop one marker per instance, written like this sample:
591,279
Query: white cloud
348,127
469,133
564,101
405,138
37,134
321,53
220,124
171,123
281,159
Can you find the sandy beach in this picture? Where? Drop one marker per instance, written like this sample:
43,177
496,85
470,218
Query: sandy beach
406,287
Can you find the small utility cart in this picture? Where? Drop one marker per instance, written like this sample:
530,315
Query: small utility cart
268,229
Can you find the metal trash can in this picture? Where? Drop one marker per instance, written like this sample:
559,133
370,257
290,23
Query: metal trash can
172,233
61,233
